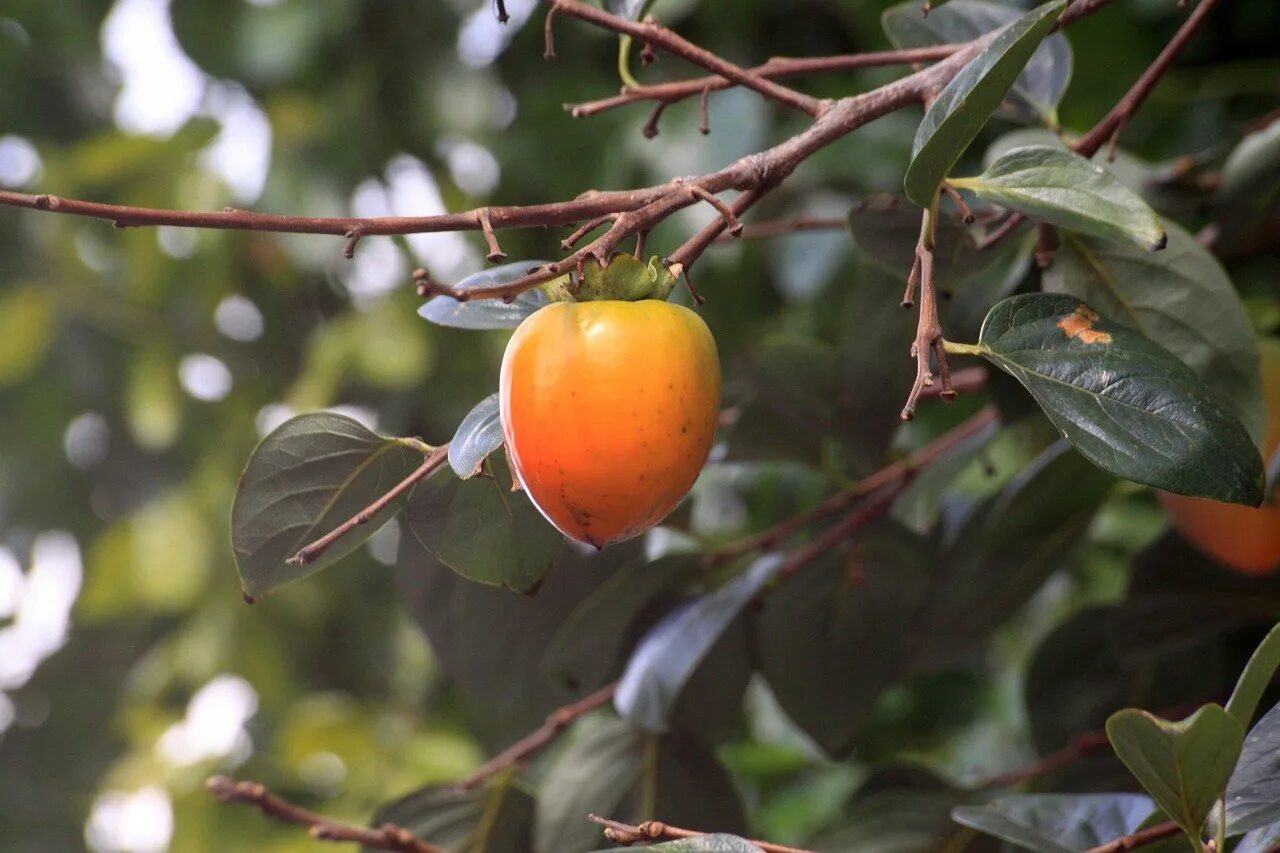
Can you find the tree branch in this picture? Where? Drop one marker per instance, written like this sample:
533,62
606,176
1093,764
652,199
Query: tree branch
386,837
528,746
655,830
316,549
928,340
1141,838
657,36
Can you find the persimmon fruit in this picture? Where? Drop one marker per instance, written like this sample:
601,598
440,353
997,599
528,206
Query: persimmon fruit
1240,537
609,409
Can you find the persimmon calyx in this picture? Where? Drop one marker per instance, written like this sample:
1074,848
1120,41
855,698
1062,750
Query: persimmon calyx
624,279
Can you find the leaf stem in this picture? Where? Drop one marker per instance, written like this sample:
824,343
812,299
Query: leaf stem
954,348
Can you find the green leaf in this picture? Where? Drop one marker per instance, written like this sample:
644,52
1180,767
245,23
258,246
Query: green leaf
479,434
483,530
487,313
26,332
1064,189
1249,194
828,646
1181,298
494,818
1184,765
304,479
611,769
1003,552
670,653
1058,823
1253,793
1038,89
959,113
1257,674
1124,401
586,649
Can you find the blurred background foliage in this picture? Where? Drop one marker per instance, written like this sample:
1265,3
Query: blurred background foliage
138,368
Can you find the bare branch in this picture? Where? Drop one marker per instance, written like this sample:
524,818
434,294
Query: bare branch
1141,838
386,837
655,830
532,743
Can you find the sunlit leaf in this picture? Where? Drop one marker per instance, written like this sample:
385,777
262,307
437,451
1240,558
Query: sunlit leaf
487,313
479,434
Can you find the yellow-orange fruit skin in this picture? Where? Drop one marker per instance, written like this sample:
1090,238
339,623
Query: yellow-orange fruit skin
609,410
1241,537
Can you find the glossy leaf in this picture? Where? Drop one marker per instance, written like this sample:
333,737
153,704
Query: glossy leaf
1184,766
1124,401
304,479
1064,189
479,434
611,769
586,649
1179,297
965,104
1058,823
1253,793
1040,86
494,818
487,313
483,530
1255,678
669,653
828,646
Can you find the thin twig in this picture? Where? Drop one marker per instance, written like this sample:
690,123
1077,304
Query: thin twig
528,746
386,837
549,35
655,830
1141,838
1081,745
873,508
312,552
782,227
730,219
928,340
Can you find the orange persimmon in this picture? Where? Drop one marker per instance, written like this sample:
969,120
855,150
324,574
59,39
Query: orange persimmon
1240,537
609,409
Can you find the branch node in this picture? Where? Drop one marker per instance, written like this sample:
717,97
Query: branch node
353,239
965,213
704,109
496,254
650,129
730,219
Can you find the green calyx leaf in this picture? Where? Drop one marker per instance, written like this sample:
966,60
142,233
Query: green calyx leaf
1065,189
625,278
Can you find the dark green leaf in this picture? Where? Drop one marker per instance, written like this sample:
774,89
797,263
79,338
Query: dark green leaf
828,645
1179,297
487,313
1253,793
670,652
1005,550
489,640
1257,674
479,434
308,476
1183,765
1064,189
1248,197
1058,823
1124,401
611,769
1040,86
959,113
586,649
483,530
495,818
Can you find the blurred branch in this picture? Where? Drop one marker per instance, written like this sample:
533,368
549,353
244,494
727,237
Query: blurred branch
1081,745
890,480
316,549
782,227
655,830
386,837
1141,838
528,746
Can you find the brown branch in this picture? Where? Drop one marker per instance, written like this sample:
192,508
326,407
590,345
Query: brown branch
1114,122
386,837
655,830
774,69
928,340
782,227
730,218
313,552
659,37
1081,745
893,477
549,35
870,510
1141,838
528,746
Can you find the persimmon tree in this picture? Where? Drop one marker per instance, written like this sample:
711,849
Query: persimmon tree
1072,303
